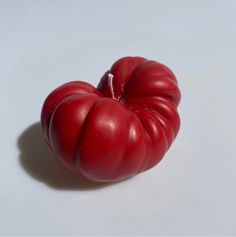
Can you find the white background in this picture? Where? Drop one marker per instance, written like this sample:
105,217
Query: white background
46,43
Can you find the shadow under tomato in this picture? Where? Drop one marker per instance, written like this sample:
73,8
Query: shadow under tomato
39,162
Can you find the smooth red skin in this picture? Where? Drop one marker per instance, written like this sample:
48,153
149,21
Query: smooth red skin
109,137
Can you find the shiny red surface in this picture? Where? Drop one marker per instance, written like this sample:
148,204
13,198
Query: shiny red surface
119,129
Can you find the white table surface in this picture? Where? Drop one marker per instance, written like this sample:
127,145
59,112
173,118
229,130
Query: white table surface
46,43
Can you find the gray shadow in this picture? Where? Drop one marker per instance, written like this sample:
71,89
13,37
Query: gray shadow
39,162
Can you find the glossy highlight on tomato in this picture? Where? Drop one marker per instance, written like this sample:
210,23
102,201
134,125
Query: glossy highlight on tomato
119,129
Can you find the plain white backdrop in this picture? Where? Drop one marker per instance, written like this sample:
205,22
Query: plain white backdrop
46,43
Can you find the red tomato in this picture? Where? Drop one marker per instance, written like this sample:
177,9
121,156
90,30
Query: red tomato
119,129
